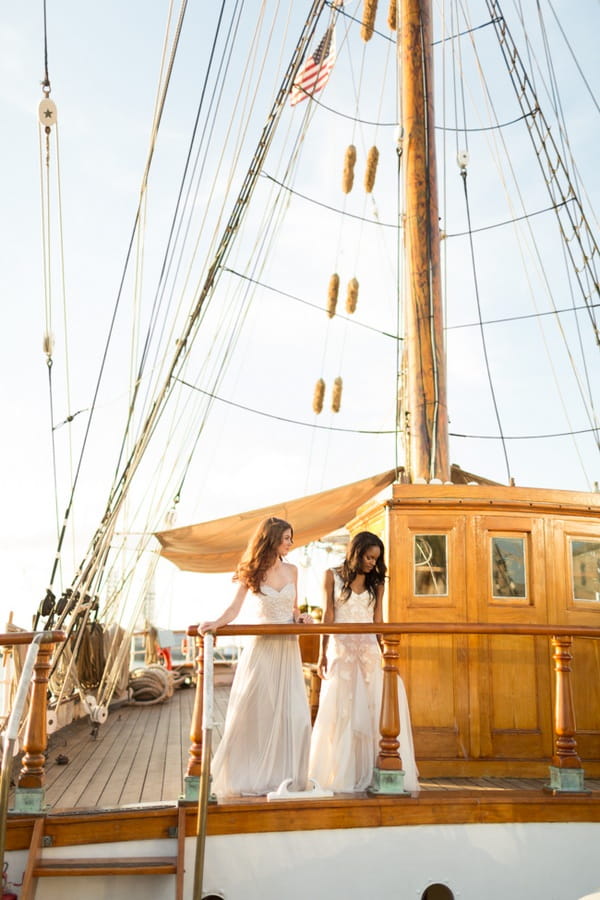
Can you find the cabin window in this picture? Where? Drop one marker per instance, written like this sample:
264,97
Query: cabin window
430,557
585,559
509,567
437,892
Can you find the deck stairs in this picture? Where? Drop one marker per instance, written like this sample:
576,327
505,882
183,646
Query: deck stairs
40,867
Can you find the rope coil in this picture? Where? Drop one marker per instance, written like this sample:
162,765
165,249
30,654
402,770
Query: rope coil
352,296
368,19
336,398
318,394
332,294
150,685
348,176
371,169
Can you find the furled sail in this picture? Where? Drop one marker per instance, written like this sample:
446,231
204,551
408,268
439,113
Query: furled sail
217,546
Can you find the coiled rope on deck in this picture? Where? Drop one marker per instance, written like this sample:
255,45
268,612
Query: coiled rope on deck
150,685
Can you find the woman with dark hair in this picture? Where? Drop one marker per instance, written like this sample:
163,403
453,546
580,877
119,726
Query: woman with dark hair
266,739
345,739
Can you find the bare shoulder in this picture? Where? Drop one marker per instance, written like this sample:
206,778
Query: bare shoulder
291,570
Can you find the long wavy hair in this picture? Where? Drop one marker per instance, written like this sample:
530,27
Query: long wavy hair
352,565
261,552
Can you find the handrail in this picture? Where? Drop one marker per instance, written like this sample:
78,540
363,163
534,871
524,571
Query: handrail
566,770
407,628
204,786
34,639
12,638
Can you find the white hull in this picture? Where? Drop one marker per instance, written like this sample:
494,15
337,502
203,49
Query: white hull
537,861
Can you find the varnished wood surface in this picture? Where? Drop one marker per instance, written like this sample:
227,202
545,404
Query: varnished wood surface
125,784
139,756
436,804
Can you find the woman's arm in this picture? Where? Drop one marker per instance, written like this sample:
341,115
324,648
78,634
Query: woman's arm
299,618
229,614
328,619
378,611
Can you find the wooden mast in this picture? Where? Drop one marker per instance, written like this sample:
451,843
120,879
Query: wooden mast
425,398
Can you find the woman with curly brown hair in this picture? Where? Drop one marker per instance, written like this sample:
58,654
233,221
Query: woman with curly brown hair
267,728
345,738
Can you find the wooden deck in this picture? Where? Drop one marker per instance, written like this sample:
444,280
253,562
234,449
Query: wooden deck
140,755
125,783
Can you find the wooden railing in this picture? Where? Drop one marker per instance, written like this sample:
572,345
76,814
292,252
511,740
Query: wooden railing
31,777
565,756
35,737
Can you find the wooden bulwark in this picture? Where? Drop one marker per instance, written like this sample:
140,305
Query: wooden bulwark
152,766
445,803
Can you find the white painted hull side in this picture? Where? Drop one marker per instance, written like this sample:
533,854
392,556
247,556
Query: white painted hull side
549,861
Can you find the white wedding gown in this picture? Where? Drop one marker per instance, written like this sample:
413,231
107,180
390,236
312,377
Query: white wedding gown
345,740
267,728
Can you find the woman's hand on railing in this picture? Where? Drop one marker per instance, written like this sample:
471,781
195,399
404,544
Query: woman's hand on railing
203,627
322,666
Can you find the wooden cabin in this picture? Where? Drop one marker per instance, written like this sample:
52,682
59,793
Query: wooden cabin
491,554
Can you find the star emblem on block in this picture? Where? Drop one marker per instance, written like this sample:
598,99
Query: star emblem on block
47,112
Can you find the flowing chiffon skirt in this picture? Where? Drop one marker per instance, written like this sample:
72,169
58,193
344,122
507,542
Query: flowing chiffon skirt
267,728
345,740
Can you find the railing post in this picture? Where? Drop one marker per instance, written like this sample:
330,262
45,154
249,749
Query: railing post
388,775
566,772
30,793
192,778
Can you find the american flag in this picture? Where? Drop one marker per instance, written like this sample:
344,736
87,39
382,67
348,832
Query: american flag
313,75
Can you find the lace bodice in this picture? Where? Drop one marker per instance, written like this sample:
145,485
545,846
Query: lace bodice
357,608
273,606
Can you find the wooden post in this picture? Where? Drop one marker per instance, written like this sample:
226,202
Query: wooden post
29,794
389,719
192,778
388,775
565,754
566,772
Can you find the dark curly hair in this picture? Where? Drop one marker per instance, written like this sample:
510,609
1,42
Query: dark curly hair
261,552
351,567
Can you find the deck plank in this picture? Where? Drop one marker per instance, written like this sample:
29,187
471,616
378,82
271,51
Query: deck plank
67,784
140,756
162,757
111,749
137,759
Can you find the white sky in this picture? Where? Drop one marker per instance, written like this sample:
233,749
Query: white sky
103,64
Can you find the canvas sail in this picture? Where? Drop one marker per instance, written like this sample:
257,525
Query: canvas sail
217,546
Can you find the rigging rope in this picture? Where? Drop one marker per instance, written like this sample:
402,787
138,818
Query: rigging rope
535,315
509,194
556,175
554,208
277,418
381,124
288,421
482,330
314,306
575,60
101,541
47,130
109,337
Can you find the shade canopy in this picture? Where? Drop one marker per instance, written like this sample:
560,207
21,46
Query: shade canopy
218,545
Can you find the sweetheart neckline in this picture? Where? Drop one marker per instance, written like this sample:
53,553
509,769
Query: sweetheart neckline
277,590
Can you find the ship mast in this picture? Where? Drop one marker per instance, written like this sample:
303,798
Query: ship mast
425,379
